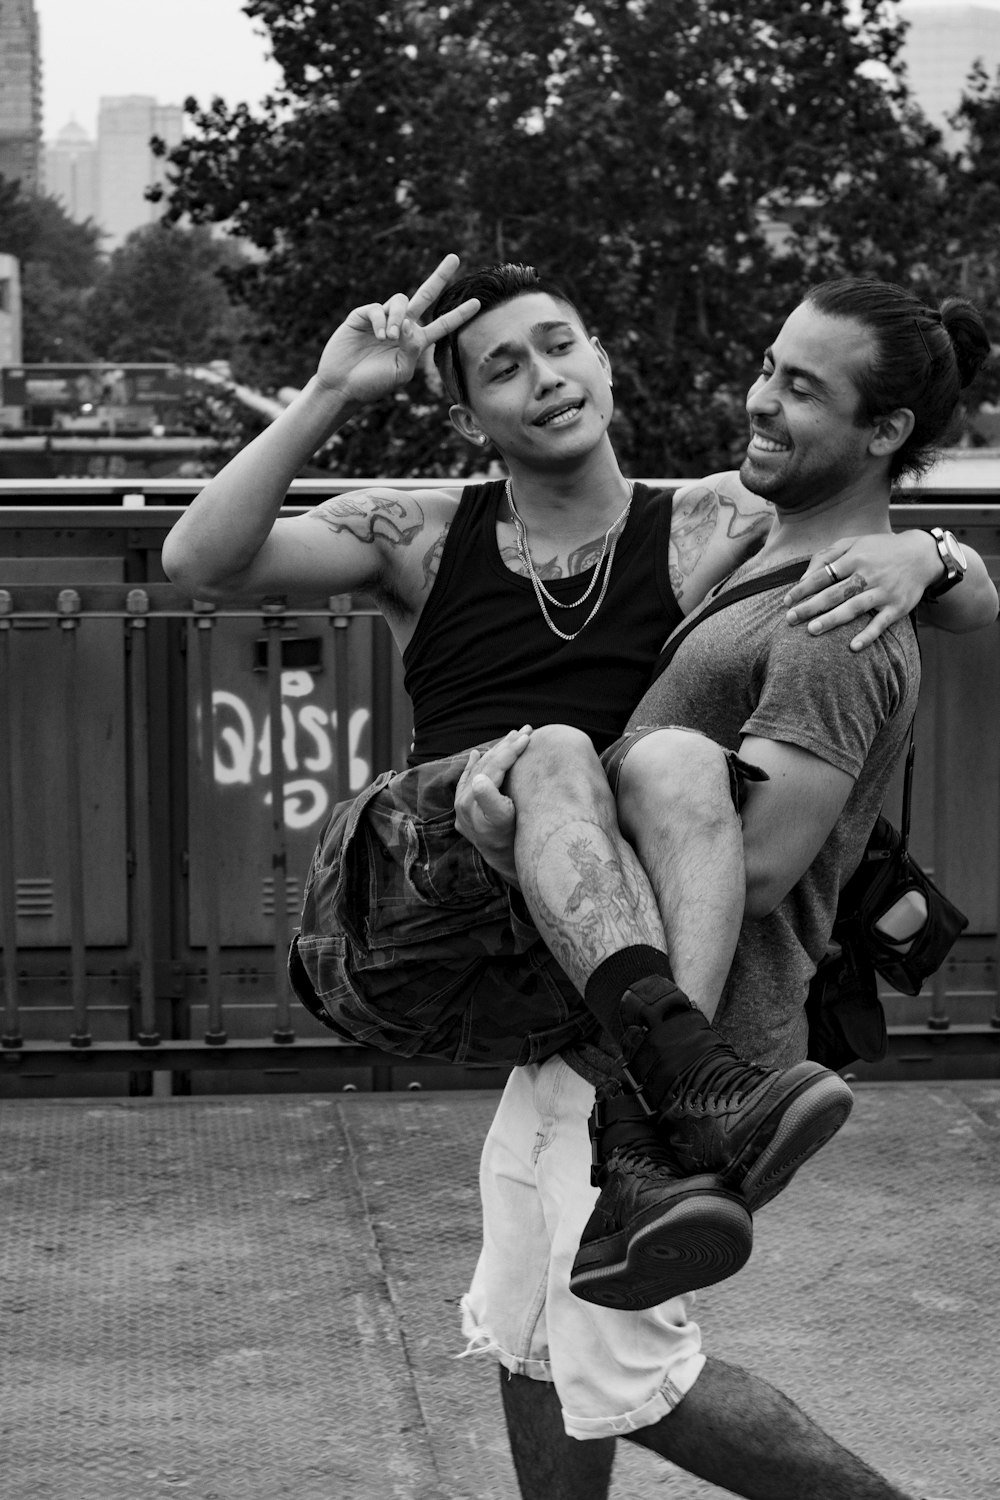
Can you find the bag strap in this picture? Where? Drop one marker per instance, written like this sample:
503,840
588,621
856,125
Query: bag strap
904,821
904,816
776,578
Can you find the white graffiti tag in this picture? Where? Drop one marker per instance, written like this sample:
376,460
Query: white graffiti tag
242,753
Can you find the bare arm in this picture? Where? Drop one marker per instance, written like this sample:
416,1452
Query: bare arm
715,526
230,539
787,819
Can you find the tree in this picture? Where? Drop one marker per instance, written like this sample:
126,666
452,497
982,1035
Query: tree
969,228
60,262
162,297
633,148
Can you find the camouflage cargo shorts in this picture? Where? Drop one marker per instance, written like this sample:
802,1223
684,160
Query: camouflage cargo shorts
410,943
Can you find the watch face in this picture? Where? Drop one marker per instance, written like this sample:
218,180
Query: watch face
953,548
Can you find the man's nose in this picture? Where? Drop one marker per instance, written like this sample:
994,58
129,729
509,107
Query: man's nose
762,398
546,375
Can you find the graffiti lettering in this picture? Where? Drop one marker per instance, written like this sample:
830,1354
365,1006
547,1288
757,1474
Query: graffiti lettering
242,751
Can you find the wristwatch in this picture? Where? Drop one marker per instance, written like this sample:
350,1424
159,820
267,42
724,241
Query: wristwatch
953,560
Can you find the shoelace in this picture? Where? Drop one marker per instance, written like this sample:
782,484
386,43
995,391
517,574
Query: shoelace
717,1079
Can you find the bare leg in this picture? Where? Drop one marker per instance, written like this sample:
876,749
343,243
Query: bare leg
585,888
550,1465
742,1434
591,894
675,807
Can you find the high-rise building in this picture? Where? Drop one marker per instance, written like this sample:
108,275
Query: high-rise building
71,172
20,93
942,43
10,310
126,166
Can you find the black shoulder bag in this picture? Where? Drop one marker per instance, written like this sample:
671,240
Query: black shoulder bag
892,920
891,917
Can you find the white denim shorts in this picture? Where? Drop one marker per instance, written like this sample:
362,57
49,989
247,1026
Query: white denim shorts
614,1371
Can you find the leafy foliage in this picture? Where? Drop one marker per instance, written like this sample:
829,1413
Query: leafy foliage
683,167
59,263
162,297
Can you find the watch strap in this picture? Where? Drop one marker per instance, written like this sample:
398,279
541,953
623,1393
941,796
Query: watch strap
953,573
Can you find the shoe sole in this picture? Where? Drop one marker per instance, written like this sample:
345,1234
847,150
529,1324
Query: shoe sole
702,1236
805,1124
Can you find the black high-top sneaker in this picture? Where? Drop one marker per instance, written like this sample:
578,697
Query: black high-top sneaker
652,1235
752,1127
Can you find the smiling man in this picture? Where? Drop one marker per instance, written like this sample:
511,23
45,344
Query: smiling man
859,386
544,598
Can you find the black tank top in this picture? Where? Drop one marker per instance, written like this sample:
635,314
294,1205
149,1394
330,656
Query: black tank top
482,659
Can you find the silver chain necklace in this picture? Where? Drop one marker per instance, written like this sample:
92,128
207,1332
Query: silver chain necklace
611,537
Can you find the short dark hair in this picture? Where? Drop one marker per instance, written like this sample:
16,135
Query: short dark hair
493,285
924,357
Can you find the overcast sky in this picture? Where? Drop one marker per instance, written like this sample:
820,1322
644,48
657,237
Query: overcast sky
167,48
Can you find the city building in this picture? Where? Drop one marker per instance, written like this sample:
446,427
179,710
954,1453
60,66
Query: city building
10,329
106,180
10,310
20,94
71,172
126,166
942,43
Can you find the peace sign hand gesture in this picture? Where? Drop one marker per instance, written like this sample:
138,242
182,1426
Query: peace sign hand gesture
376,349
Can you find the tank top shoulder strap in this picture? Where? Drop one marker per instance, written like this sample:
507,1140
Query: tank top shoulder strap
476,509
658,535
474,520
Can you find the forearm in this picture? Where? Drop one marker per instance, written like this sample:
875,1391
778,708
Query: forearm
226,525
971,605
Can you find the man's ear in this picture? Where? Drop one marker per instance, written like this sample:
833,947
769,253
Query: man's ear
602,355
465,423
891,431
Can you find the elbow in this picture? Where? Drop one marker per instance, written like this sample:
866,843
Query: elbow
173,563
182,568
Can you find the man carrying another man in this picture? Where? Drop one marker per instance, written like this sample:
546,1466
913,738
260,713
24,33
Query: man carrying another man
494,628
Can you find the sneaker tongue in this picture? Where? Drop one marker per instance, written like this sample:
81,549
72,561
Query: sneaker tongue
719,1079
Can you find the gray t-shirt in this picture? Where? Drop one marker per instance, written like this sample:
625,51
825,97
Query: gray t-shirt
745,671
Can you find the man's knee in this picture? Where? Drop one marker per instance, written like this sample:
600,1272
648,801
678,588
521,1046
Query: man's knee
674,776
559,762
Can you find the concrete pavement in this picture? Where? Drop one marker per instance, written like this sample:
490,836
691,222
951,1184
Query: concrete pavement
257,1297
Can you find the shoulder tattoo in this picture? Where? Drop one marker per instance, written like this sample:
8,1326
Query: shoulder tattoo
742,520
692,527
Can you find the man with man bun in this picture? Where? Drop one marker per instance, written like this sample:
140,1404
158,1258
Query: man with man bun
861,383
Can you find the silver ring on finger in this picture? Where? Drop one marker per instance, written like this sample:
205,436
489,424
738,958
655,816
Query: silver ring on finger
834,575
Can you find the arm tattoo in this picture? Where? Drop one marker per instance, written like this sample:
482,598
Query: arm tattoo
690,533
372,520
432,557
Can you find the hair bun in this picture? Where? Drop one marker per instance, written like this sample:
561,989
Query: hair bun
968,335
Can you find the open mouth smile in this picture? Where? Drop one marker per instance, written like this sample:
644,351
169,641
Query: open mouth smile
762,444
560,415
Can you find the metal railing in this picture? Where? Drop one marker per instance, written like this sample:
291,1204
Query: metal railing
165,767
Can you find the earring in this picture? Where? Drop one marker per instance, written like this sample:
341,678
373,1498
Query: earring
480,439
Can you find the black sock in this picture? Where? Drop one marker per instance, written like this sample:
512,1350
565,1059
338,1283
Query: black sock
614,975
